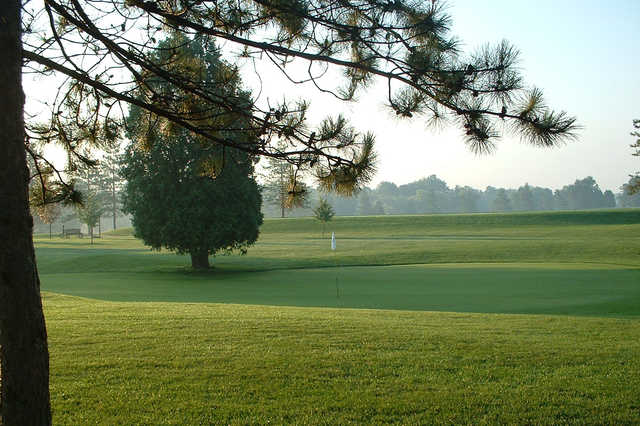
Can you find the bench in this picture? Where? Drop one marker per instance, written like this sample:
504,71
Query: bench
66,233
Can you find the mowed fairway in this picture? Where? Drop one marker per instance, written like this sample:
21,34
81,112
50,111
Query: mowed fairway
461,318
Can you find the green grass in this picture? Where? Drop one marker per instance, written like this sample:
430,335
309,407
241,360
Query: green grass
521,318
575,263
177,363
512,288
602,237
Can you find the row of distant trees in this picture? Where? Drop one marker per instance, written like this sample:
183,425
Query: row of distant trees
433,195
103,187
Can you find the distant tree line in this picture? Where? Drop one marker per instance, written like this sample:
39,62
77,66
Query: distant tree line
427,195
433,195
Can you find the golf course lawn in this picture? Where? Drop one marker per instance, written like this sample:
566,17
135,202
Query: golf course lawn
508,288
524,317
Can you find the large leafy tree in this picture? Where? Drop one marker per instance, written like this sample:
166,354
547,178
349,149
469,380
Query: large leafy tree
583,194
175,206
184,195
105,51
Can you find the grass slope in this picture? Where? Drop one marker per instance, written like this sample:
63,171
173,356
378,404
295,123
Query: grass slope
168,363
603,237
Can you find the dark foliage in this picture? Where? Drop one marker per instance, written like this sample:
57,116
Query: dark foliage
174,206
183,194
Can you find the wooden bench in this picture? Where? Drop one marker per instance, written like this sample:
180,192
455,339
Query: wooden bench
66,233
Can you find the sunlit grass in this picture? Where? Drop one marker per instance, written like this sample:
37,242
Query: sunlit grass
538,322
176,363
601,237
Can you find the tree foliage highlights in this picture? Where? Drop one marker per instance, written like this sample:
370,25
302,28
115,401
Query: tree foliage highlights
181,195
46,210
630,196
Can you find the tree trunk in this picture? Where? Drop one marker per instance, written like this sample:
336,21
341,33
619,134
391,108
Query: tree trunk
199,259
24,357
113,199
50,225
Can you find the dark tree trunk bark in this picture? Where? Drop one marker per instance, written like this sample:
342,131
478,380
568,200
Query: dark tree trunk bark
24,358
199,259
50,226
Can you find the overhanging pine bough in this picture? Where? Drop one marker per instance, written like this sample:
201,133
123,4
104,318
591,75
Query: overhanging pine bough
407,43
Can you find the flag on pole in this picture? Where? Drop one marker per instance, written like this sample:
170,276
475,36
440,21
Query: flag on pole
333,241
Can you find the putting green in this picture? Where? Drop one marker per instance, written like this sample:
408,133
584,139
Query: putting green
573,289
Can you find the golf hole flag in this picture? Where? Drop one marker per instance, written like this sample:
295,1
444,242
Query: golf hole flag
333,241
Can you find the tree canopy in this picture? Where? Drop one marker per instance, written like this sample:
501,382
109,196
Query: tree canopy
179,196
90,211
630,197
433,195
174,206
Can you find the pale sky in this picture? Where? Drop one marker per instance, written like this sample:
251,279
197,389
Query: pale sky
582,53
